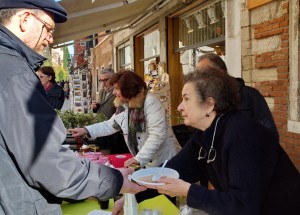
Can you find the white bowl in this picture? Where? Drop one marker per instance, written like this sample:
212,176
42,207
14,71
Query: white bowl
149,172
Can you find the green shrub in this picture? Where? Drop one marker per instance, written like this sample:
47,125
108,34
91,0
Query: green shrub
73,120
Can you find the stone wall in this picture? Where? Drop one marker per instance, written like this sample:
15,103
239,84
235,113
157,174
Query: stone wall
265,64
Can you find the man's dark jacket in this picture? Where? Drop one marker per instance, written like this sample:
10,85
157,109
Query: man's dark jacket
254,105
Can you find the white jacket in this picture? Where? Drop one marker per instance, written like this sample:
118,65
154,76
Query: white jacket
156,144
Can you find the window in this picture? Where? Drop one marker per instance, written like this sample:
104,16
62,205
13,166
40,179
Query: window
147,50
201,30
124,56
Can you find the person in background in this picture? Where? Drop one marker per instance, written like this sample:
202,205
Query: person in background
252,103
54,92
248,171
142,119
36,171
105,104
66,88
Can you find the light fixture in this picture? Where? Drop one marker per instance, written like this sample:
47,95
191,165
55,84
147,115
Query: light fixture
200,20
188,25
211,12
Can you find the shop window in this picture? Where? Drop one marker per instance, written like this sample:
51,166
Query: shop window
124,56
195,32
201,30
203,25
147,50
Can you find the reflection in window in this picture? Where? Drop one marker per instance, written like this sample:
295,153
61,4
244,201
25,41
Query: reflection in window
189,58
205,23
124,56
151,44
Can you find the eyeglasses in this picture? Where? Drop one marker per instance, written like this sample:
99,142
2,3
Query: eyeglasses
50,30
43,76
212,151
103,80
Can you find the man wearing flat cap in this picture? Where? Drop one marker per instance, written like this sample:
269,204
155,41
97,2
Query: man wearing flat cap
36,171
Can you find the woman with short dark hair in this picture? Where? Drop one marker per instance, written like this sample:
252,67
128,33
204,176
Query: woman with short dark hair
54,92
142,119
247,170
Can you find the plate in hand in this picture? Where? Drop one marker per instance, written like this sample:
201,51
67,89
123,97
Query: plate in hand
144,176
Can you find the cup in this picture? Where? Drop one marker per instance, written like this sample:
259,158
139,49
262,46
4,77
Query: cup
147,212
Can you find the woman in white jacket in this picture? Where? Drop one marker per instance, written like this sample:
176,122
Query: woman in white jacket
142,119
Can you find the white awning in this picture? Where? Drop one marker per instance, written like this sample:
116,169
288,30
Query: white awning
87,17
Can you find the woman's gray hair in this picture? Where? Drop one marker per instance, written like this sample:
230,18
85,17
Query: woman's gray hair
212,82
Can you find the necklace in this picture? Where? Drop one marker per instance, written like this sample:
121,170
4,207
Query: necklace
212,151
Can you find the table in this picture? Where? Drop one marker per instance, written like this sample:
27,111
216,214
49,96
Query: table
84,207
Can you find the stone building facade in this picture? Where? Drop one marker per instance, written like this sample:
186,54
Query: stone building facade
270,63
261,46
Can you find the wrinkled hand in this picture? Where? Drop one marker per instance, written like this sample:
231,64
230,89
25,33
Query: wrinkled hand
128,186
118,207
77,132
130,161
173,187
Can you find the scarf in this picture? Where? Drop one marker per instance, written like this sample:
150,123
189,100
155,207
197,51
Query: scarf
136,120
48,87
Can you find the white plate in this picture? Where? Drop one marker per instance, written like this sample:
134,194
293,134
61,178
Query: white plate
171,173
99,212
120,156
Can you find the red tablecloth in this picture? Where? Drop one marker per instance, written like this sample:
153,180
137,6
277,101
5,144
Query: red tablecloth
118,160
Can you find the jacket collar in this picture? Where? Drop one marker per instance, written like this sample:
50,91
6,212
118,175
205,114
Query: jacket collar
19,48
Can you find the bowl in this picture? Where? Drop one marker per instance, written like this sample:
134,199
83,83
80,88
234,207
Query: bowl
144,176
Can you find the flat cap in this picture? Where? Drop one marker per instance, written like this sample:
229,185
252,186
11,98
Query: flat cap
50,6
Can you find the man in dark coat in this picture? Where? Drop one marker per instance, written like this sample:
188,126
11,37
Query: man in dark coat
36,171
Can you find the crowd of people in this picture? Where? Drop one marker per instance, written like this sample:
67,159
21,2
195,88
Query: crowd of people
234,153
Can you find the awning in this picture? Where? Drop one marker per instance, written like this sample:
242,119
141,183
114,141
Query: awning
87,17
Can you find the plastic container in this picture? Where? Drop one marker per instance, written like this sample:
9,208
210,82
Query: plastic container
130,204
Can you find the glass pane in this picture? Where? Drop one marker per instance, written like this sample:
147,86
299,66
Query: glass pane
202,24
127,55
151,44
186,60
124,57
189,58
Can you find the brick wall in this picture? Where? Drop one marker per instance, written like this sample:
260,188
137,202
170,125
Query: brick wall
272,54
103,53
102,57
79,52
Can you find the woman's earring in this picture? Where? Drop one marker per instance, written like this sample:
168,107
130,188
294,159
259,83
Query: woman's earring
207,115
